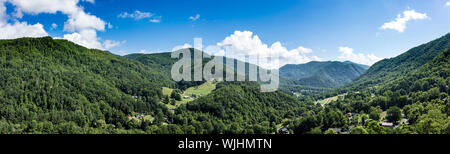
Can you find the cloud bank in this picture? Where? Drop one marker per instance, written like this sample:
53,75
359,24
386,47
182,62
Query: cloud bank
81,27
348,54
248,47
244,43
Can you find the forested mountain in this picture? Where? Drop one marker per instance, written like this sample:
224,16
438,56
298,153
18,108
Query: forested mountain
160,61
394,68
49,86
164,62
421,95
415,100
319,75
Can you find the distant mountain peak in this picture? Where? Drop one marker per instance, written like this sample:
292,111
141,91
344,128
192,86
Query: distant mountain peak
326,74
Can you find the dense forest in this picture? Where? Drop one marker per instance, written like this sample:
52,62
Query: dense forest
390,69
408,93
243,109
54,86
316,77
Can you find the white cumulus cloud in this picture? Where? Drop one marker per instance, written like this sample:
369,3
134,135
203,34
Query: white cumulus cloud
87,38
248,47
82,26
184,46
81,21
21,29
46,6
447,4
399,24
244,43
18,29
348,54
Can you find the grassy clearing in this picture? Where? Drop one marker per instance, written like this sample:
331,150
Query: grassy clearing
149,118
323,102
327,100
166,91
203,89
198,91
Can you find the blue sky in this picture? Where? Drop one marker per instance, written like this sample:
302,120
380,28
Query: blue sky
329,29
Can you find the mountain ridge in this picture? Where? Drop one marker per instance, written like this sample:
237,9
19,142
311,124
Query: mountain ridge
328,74
402,64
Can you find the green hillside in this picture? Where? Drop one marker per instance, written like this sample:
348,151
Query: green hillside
394,68
416,102
163,62
318,75
55,86
241,109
